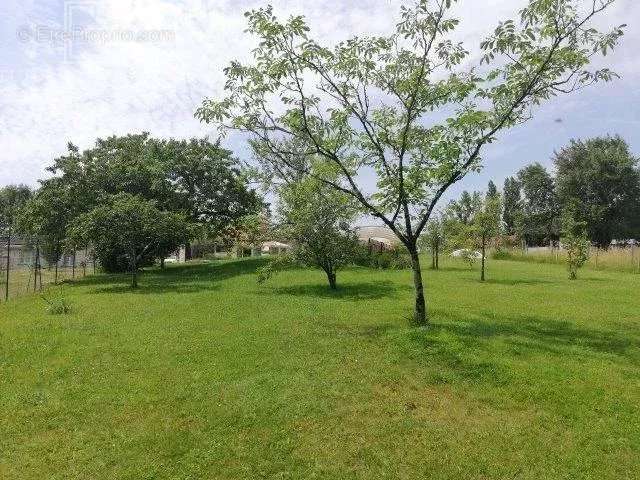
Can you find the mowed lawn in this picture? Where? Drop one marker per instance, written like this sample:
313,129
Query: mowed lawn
204,374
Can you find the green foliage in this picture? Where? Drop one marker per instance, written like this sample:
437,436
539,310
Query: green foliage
600,179
487,225
492,190
46,217
512,213
317,219
126,229
195,179
368,103
539,222
575,241
275,265
465,208
12,201
56,302
389,259
487,222
434,239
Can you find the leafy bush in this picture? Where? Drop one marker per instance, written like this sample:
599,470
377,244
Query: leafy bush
396,258
502,254
57,303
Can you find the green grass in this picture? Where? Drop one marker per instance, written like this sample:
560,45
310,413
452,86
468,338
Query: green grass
202,373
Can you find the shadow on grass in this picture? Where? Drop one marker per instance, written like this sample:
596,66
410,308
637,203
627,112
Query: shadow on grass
184,278
349,291
515,282
367,332
528,334
486,348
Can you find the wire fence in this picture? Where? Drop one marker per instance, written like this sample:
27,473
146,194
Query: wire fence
25,269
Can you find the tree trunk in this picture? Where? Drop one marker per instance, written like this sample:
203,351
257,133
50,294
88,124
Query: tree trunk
420,311
73,265
331,276
134,276
187,251
35,268
134,271
438,256
162,263
434,253
484,254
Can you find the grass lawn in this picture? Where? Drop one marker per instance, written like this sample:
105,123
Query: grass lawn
203,374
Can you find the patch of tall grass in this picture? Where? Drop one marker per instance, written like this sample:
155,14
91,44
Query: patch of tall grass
618,259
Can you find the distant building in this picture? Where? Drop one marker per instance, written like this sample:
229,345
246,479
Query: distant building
377,235
275,248
22,253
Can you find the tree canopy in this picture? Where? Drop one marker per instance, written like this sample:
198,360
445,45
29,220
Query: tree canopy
600,180
540,207
12,200
368,103
512,206
196,179
318,220
130,229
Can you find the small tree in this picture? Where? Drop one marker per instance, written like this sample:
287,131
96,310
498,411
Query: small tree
465,208
486,225
575,241
371,104
247,232
317,219
132,227
434,239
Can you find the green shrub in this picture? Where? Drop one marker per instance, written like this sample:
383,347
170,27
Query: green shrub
394,259
57,303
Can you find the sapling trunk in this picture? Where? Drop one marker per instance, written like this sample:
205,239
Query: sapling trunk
484,253
134,270
420,310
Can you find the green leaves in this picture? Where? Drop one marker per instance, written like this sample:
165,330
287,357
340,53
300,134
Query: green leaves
404,105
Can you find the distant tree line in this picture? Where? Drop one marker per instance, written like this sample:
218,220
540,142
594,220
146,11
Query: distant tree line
593,198
597,179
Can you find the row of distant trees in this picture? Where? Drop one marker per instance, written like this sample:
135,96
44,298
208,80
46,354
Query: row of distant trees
598,179
133,199
593,199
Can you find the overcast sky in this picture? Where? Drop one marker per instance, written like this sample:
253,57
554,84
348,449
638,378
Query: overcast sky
145,65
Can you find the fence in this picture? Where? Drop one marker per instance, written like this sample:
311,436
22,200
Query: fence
25,269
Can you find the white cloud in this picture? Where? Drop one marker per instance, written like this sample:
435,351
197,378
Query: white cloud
120,87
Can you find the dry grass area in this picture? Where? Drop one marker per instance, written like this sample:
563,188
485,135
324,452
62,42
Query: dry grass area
618,259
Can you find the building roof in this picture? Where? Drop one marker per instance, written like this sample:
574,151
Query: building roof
377,233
